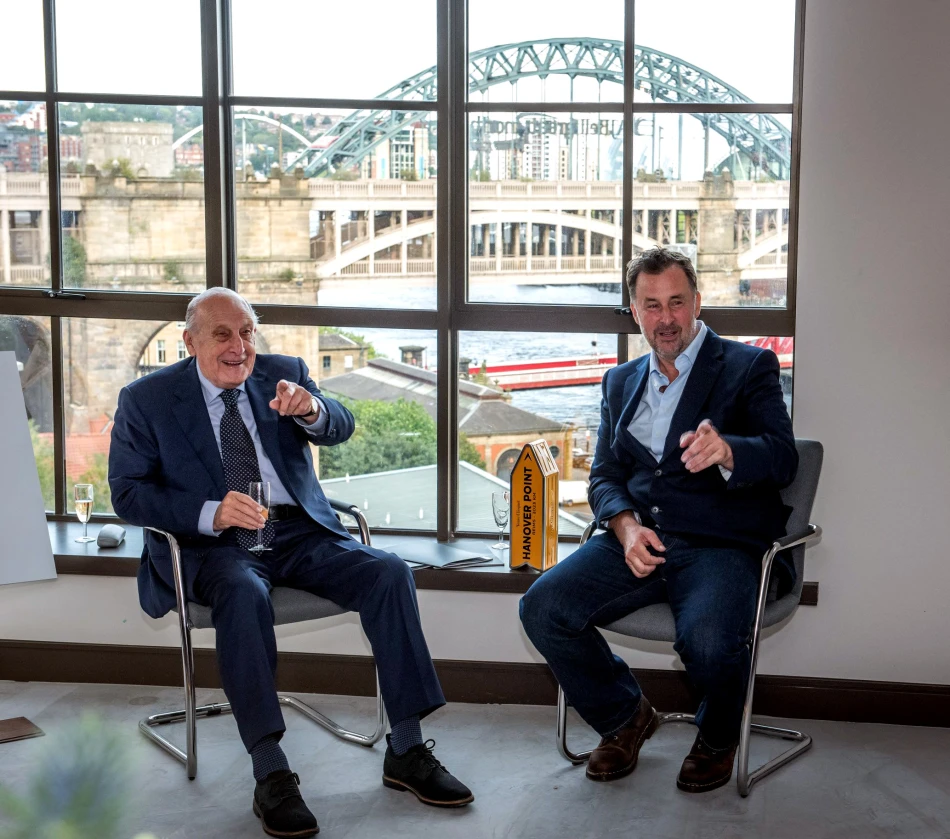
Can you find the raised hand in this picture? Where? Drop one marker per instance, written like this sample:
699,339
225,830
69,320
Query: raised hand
292,400
705,447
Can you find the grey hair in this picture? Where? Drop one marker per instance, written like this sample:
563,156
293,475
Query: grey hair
192,312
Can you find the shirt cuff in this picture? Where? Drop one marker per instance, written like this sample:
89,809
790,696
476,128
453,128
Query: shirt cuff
206,519
726,473
319,425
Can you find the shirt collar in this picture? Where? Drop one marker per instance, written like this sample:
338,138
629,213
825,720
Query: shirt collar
210,391
684,361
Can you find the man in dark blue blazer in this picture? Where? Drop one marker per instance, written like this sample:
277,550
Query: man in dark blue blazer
186,443
695,443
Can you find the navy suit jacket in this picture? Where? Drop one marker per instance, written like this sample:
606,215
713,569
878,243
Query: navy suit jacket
736,387
164,461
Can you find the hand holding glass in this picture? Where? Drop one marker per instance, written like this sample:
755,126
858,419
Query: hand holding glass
260,492
500,508
83,495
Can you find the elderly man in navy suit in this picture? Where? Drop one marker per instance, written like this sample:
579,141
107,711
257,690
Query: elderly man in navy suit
694,445
186,443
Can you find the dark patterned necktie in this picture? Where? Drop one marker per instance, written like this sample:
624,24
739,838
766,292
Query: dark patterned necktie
240,463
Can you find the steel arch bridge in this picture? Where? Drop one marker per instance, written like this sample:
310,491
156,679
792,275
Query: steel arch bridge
665,78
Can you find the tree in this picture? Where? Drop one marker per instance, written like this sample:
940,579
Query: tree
74,262
171,272
43,453
97,474
388,435
408,174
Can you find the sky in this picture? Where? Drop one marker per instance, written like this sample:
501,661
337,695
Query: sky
360,48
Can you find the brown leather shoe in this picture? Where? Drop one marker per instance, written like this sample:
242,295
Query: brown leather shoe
616,756
705,769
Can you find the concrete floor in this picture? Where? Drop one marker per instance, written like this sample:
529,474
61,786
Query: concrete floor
857,781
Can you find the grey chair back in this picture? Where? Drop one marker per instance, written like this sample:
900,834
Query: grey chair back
800,496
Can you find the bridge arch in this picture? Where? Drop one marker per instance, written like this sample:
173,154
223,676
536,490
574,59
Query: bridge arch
664,77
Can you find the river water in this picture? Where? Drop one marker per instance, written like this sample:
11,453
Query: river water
578,405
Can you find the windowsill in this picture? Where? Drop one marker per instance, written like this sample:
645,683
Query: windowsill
89,559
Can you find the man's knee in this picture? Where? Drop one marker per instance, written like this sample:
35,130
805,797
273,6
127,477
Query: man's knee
538,610
238,590
709,646
392,571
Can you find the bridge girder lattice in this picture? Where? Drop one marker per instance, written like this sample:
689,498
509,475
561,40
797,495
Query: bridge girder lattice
664,77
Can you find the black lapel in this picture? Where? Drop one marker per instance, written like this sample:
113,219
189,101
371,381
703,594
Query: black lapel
192,415
632,394
701,379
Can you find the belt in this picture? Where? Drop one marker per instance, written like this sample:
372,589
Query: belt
284,512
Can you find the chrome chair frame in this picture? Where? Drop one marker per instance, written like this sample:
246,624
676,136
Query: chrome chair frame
192,712
745,778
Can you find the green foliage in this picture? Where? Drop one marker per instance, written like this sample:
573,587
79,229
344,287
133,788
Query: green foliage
171,272
286,274
121,167
74,262
344,175
389,435
187,173
97,474
43,453
78,787
468,453
481,175
408,174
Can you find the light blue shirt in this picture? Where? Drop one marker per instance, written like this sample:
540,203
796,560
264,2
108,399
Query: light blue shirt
651,422
215,405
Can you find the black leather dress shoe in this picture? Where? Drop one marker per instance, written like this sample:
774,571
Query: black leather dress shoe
277,803
705,769
616,756
420,773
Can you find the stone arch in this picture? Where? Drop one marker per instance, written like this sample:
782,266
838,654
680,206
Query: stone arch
30,341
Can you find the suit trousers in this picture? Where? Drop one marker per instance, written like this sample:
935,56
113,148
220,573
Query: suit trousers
236,584
712,592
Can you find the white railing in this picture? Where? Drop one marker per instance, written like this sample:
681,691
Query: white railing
27,275
387,266
421,266
543,263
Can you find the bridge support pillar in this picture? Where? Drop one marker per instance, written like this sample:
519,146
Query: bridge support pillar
718,257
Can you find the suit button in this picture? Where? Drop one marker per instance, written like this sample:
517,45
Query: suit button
654,510
657,473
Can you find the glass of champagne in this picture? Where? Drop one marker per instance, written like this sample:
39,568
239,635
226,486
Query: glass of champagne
500,509
83,495
260,492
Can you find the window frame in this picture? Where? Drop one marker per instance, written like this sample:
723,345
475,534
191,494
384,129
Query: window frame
454,312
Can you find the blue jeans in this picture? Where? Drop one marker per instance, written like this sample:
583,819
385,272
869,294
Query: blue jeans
712,592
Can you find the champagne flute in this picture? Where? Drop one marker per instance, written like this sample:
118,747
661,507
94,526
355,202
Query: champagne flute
500,508
260,492
83,495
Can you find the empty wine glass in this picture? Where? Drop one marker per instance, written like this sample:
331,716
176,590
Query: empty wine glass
83,495
500,509
260,492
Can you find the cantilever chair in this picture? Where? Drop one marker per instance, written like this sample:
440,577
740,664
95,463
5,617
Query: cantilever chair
655,622
290,606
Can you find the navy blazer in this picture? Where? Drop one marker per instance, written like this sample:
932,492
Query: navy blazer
164,461
736,387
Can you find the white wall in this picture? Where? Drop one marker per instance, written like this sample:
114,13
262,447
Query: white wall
872,381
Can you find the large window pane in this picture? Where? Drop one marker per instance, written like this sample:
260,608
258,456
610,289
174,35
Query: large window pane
24,194
112,46
545,196
518,387
28,338
716,187
520,53
336,208
356,50
133,197
21,58
740,50
387,379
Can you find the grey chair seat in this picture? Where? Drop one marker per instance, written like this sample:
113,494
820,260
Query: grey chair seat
655,622
290,606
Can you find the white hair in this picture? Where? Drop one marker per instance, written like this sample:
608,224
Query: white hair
192,312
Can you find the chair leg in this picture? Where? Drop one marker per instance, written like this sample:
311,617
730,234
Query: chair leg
190,714
744,778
